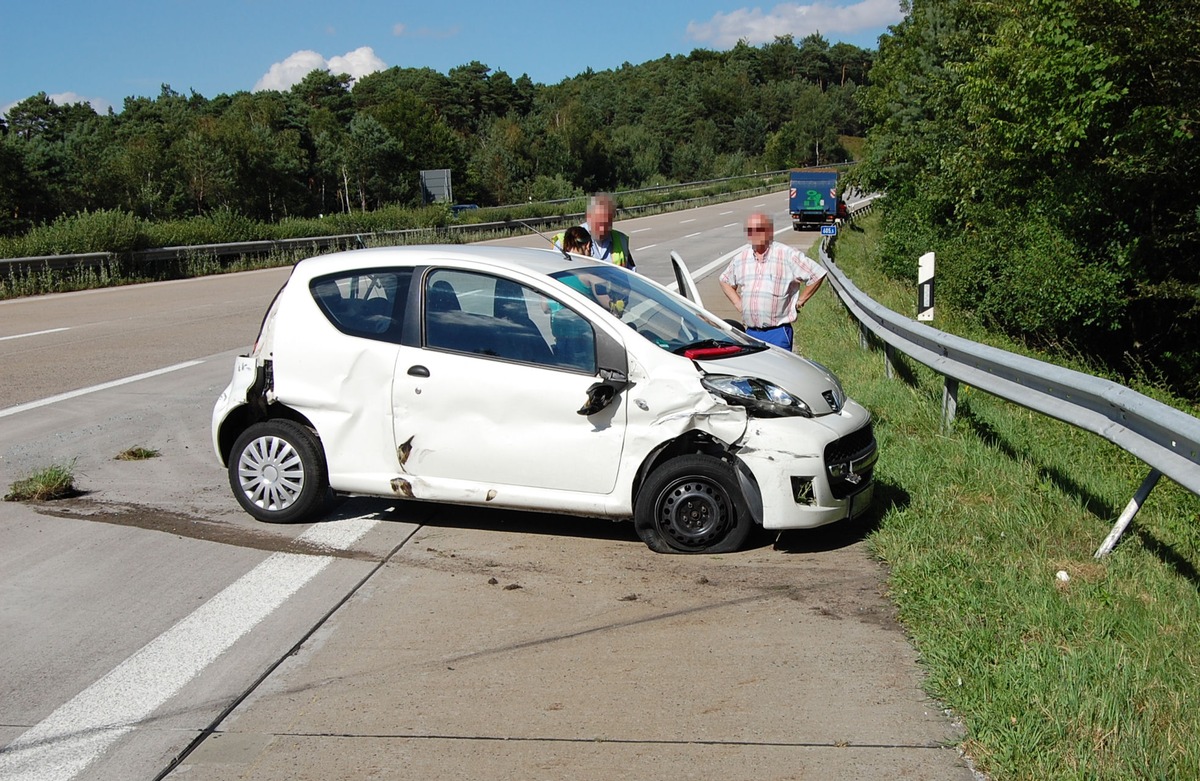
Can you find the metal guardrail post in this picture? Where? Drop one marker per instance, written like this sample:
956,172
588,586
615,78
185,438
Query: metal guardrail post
949,402
1131,510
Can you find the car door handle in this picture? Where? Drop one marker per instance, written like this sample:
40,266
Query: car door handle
418,371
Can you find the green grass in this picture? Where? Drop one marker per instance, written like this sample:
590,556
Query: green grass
136,453
53,482
1094,678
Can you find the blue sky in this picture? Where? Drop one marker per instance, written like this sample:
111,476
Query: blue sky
103,52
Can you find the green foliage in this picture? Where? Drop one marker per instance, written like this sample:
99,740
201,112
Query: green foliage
1049,155
108,230
219,227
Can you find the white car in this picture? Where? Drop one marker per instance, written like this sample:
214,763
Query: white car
534,380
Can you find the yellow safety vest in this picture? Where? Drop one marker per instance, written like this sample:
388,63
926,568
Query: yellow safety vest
620,247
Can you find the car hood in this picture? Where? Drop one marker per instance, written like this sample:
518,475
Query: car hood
799,376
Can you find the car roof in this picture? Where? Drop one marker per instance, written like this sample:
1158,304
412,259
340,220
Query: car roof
536,260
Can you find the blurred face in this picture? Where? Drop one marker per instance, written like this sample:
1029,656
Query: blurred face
599,220
760,231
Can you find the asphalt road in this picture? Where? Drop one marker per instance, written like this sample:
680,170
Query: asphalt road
152,629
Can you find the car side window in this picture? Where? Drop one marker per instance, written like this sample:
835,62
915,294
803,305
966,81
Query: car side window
480,314
369,304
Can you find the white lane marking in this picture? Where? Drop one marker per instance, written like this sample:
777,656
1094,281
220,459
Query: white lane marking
692,235
722,214
642,249
639,230
685,222
33,333
102,386
68,740
729,225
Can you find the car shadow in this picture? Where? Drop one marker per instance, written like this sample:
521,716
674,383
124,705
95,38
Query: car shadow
843,534
834,536
489,519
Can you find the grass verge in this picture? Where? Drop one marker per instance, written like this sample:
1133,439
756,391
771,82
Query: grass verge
1096,677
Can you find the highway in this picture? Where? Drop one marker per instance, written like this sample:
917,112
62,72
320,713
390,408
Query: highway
147,618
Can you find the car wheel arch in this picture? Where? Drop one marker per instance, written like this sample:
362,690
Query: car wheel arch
700,442
245,416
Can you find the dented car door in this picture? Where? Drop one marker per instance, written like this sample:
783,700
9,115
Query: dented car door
495,394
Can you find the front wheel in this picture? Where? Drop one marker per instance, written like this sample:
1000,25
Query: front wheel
277,472
692,504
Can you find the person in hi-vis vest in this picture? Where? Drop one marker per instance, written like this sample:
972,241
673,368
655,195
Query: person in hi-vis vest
607,244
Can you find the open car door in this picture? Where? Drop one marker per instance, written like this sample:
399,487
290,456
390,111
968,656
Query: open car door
683,278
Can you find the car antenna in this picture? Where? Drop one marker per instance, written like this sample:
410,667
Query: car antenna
566,255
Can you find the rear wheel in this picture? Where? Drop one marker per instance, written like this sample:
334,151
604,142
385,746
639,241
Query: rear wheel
277,472
692,504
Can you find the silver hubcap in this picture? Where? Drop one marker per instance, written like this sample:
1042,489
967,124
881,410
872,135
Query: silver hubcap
271,473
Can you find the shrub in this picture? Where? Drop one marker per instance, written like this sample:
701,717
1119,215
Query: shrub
107,230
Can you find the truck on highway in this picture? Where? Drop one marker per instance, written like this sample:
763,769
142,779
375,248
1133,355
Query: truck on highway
813,198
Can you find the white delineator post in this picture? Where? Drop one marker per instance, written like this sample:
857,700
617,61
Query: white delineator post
925,287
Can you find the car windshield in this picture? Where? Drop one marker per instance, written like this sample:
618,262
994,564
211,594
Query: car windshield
668,321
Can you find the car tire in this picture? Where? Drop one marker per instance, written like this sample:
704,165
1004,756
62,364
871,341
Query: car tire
277,472
692,504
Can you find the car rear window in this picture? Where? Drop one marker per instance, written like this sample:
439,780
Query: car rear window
367,303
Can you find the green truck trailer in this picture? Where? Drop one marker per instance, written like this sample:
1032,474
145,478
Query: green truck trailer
813,198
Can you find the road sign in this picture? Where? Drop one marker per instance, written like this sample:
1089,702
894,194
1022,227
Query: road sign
828,230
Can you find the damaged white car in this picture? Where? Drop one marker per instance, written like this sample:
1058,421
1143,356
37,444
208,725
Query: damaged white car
533,380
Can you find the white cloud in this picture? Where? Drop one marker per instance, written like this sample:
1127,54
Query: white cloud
357,63
99,105
755,27
285,75
401,30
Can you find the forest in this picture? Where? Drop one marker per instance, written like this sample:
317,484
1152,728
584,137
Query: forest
1047,151
332,145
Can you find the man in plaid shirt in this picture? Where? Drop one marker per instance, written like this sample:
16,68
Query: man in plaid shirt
768,282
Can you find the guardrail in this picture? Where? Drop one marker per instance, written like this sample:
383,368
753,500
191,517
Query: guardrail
1161,436
348,240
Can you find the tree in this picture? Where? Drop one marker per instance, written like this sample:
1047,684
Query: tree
324,91
1052,154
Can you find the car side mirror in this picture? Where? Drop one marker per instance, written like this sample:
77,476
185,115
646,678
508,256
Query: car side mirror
599,396
614,374
604,392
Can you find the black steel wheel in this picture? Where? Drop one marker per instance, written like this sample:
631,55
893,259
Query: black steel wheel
277,472
692,504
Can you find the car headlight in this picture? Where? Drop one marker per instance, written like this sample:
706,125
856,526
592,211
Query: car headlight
759,397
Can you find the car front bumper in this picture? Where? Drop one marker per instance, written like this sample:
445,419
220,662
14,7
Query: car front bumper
810,475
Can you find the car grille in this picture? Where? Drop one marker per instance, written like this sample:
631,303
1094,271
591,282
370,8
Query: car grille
850,462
